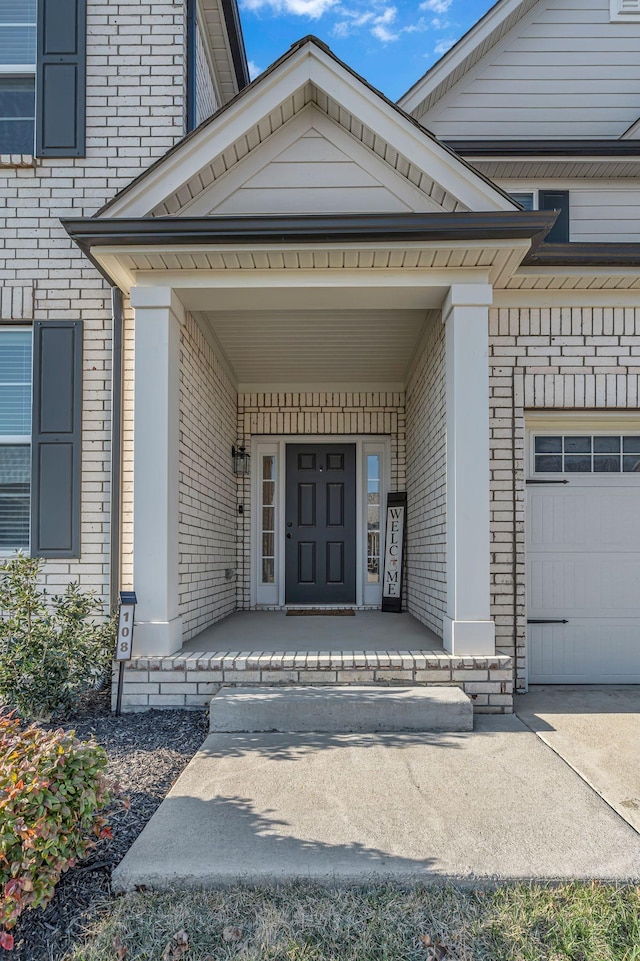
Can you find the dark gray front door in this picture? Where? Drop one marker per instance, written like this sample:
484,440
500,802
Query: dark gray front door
320,518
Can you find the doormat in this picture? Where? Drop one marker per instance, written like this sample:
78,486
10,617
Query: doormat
319,612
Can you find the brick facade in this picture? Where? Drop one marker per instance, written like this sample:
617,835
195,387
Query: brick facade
426,482
571,358
191,680
135,112
207,484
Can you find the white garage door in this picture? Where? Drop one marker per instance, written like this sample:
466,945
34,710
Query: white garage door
583,558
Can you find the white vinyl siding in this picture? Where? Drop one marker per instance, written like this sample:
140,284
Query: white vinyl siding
564,71
605,212
207,100
310,165
314,175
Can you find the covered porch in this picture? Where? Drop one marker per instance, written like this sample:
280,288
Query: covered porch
209,546
207,543
423,423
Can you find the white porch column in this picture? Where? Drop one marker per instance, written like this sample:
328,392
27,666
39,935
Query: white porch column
158,316
468,628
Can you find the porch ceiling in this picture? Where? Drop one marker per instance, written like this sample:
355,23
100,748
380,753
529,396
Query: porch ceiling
287,347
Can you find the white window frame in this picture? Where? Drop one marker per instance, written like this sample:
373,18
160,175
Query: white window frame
11,71
527,190
18,440
273,595
19,70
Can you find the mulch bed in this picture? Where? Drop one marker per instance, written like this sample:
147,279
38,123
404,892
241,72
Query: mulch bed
147,752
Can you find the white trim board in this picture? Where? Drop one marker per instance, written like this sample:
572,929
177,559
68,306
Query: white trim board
526,297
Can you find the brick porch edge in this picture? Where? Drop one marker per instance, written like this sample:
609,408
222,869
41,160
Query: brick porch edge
190,680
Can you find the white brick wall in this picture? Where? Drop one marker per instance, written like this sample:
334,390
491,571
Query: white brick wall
560,358
318,413
135,112
426,482
207,484
191,680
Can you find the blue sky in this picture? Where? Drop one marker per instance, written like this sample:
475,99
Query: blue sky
390,43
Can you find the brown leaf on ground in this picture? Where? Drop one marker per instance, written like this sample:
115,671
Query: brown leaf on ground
232,933
177,946
119,948
436,951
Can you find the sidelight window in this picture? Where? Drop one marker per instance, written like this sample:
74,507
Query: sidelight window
373,518
268,518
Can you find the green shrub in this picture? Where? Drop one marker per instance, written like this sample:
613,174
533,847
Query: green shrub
52,790
51,647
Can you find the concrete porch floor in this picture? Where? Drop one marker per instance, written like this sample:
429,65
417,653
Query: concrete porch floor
275,632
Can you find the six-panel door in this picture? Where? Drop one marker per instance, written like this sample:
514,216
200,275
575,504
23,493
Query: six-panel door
320,519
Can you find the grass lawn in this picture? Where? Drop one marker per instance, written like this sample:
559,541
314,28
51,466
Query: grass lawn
304,922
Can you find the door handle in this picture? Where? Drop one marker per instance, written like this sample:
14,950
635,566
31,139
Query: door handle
547,620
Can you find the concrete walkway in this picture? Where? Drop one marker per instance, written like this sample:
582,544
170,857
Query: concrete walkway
596,730
495,803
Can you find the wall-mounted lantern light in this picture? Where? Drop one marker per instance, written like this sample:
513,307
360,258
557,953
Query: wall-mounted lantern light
241,460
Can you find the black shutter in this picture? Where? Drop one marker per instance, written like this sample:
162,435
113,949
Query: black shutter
556,200
61,78
56,438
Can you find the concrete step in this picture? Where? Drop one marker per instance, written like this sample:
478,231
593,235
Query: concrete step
340,709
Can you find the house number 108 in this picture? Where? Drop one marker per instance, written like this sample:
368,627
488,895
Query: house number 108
125,626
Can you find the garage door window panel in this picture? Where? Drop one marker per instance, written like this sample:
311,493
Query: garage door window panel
584,454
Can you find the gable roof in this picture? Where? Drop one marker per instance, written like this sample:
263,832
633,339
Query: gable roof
535,70
309,73
463,55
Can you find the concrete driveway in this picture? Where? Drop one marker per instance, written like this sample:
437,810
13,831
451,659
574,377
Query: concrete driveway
596,731
495,802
